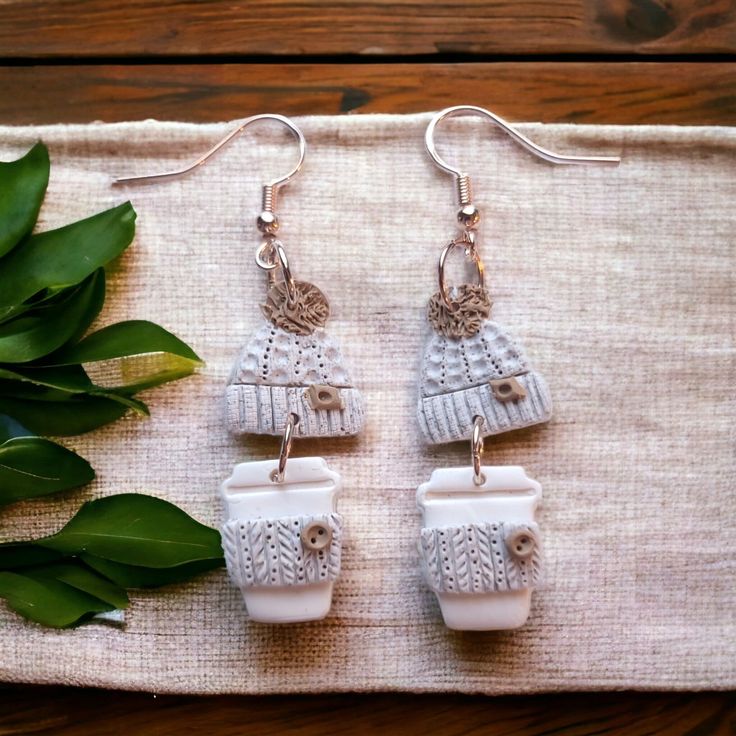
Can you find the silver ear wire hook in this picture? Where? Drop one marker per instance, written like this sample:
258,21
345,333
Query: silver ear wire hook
468,216
271,253
520,138
471,218
274,185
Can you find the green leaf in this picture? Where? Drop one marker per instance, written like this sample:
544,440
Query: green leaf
137,355
82,578
33,466
64,257
36,334
136,529
77,415
135,337
133,576
68,379
46,299
94,307
22,188
25,554
58,384
10,428
49,602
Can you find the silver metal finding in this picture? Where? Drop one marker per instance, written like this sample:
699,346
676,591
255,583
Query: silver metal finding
476,450
463,182
471,253
269,189
266,254
291,293
277,476
271,253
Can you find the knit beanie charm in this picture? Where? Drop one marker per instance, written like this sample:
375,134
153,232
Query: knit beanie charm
291,365
473,367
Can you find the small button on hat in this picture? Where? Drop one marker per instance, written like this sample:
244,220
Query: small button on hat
507,389
322,396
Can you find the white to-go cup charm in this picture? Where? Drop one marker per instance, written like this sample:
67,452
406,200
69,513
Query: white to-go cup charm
480,547
283,538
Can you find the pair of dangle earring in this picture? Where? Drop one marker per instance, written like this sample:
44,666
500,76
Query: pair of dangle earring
480,547
282,535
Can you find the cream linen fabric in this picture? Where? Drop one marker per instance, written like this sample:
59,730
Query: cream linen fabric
619,283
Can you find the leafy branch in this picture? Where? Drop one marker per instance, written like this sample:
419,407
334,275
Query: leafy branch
52,288
57,380
125,541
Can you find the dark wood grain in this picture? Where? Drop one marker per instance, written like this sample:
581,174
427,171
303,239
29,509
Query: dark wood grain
73,712
84,28
695,93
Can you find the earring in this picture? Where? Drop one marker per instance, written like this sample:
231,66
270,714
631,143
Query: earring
283,536
480,545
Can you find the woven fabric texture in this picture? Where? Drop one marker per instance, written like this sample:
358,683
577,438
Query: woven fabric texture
618,282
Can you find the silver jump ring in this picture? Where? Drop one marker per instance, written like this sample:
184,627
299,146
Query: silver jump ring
291,293
472,253
271,254
476,450
277,476
265,255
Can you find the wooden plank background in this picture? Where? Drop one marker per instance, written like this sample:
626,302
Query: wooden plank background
608,92
148,28
603,61
75,712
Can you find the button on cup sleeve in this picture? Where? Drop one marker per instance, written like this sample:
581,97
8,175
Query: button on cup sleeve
316,536
521,543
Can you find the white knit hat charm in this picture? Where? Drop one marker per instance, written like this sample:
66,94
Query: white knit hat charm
473,367
479,547
282,535
289,366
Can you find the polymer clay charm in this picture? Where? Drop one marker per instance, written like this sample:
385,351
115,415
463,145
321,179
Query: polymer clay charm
282,542
289,366
480,548
282,535
473,367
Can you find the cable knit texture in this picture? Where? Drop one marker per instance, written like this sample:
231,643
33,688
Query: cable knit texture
452,365
269,381
475,558
270,552
455,386
275,357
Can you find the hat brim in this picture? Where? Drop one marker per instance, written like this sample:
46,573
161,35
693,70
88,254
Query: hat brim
264,409
449,417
